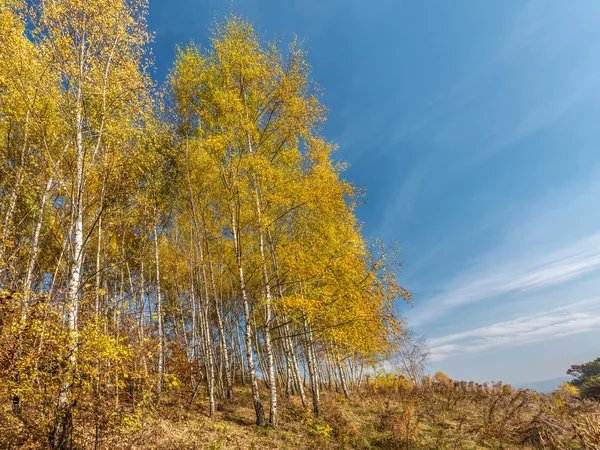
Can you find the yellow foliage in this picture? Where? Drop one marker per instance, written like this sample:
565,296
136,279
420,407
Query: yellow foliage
442,378
322,429
567,389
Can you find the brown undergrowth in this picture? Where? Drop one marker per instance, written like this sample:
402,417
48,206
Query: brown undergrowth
386,413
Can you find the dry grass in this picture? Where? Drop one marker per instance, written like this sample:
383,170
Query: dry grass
397,415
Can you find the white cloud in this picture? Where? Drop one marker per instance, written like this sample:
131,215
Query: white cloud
576,318
514,275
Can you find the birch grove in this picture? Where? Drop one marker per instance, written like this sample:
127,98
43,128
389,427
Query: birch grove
192,240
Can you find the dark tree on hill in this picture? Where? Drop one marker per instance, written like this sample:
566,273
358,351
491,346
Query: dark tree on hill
587,378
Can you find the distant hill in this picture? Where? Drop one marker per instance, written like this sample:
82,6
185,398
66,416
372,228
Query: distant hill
543,385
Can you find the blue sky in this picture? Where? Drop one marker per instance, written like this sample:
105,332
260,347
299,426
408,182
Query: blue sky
475,128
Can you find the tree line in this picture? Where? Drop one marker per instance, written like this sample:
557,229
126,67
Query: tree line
196,233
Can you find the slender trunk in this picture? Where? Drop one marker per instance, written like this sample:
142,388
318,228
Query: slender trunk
9,213
240,356
292,388
98,277
280,369
117,332
194,325
312,369
209,360
63,430
77,250
142,318
258,407
288,346
214,292
28,279
35,241
289,378
295,366
268,303
223,342
14,195
211,365
98,250
193,337
328,365
159,313
63,250
342,376
134,313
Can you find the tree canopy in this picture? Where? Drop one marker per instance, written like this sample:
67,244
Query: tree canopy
586,377
188,238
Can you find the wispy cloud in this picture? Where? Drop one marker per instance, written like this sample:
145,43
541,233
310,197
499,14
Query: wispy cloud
577,318
569,263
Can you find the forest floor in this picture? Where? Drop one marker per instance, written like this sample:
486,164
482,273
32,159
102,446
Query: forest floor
437,416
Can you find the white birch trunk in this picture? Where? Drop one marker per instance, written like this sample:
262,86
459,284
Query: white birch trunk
258,408
268,304
159,313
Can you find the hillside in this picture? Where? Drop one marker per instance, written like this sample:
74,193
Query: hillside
543,385
387,413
